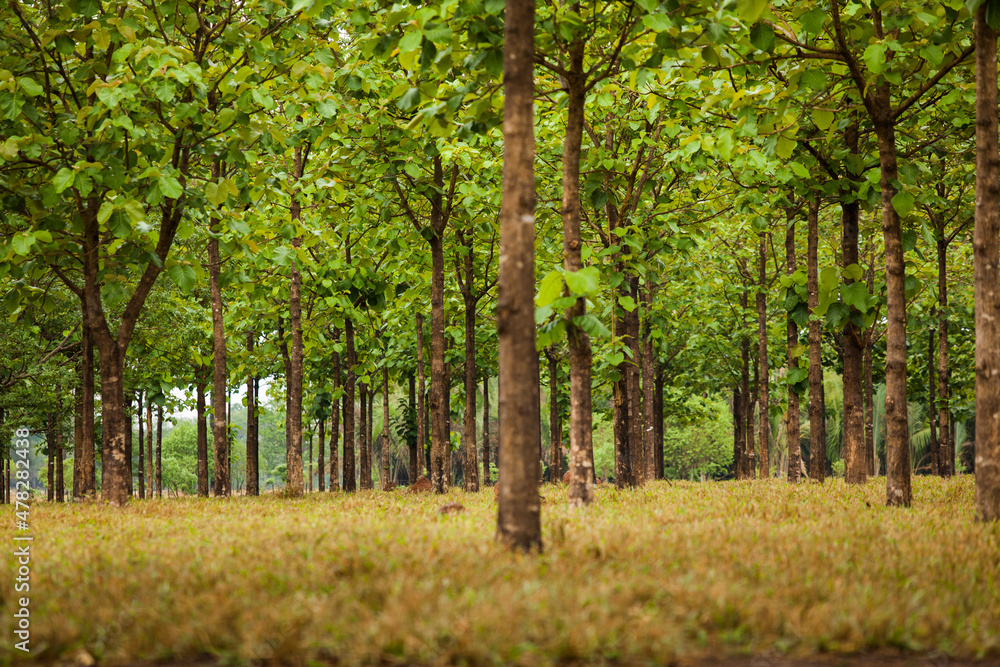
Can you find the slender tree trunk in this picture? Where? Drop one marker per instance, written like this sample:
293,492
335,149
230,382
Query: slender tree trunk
50,457
869,384
486,432
817,442
440,446
253,446
88,453
60,479
142,444
658,420
946,449
555,424
763,385
519,517
745,466
308,467
295,473
854,451
321,455
739,439
202,441
335,420
386,480
421,394
470,469
411,437
77,444
648,387
350,483
220,438
366,462
150,475
792,427
987,278
934,446
635,437
159,452
581,445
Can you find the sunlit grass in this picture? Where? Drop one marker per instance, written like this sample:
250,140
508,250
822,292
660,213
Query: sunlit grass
650,574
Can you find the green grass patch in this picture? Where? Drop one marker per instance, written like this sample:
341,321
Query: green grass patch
652,574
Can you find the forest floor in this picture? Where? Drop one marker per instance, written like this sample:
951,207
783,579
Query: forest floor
755,574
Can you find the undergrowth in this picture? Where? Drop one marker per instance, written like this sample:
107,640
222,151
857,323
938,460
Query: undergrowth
382,578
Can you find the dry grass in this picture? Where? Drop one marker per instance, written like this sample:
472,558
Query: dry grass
383,578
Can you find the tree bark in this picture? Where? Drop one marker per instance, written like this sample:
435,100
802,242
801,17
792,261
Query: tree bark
519,516
487,480
658,420
386,481
77,444
142,444
350,479
763,385
869,384
637,455
739,438
987,278
934,445
88,464
440,444
321,455
555,424
60,479
202,441
854,449
366,462
817,441
648,386
421,393
150,474
335,419
411,437
946,448
295,473
470,469
253,437
792,428
220,439
50,457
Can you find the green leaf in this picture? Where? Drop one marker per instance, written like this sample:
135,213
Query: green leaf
853,272
170,187
63,179
874,57
215,193
409,100
725,145
550,289
120,225
30,87
592,326
822,118
799,170
829,279
411,41
583,282
107,208
627,302
183,276
750,10
903,202
22,243
812,21
855,294
762,37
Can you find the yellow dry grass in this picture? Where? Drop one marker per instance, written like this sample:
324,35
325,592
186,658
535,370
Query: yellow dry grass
733,568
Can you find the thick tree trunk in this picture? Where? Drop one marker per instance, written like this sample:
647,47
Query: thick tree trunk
946,447
637,454
412,437
897,428
869,384
817,441
519,517
150,474
487,480
202,441
581,445
987,277
421,395
792,428
386,480
253,429
116,480
763,384
350,478
88,463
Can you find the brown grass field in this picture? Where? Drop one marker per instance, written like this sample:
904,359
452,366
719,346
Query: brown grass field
761,574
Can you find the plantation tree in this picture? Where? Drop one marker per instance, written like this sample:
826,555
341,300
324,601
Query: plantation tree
519,516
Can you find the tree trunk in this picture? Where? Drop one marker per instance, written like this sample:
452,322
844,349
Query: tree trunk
335,420
321,455
854,451
869,384
648,387
220,439
792,428
897,428
739,439
440,445
987,278
746,465
386,481
555,425
142,444
88,465
581,444
637,455
350,483
411,437
421,394
817,441
60,479
763,385
50,457
470,470
202,441
159,451
365,469
933,446
77,444
658,420
308,465
519,516
253,437
487,480
294,475
150,475
946,446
